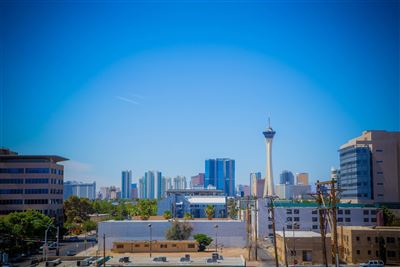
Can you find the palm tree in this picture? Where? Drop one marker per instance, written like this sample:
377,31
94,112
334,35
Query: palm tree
210,210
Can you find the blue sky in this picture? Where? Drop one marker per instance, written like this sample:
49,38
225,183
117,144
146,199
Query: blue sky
166,85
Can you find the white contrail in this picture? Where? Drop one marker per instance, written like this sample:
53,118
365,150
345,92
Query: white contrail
127,100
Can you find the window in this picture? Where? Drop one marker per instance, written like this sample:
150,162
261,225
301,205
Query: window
120,246
191,246
315,227
11,181
37,170
37,191
137,245
340,219
379,150
357,238
11,191
368,238
373,219
358,252
369,252
288,211
391,253
296,219
347,219
379,172
366,219
390,239
37,181
340,211
365,212
289,227
373,212
314,219
296,211
307,255
146,245
347,212
11,202
376,239
377,253
314,212
36,201
11,170
288,219
174,245
292,252
379,161
163,246
269,226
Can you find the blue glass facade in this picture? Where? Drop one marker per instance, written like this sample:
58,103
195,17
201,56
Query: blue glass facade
355,178
126,184
286,177
221,174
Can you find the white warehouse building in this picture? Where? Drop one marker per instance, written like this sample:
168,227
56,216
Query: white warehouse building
231,233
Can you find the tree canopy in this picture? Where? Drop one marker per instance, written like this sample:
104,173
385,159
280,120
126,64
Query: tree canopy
179,231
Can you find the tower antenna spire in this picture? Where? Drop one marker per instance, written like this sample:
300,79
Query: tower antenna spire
269,122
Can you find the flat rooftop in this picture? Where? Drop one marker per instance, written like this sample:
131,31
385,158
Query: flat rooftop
291,234
174,261
372,228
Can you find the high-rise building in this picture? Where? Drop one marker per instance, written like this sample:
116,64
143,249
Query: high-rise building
180,182
79,189
220,173
150,186
197,181
370,168
31,182
302,178
254,177
134,191
126,182
269,134
105,193
242,190
286,177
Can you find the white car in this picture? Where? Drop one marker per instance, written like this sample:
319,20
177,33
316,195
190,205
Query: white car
373,263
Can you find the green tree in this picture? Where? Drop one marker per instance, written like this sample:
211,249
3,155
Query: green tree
77,209
187,216
145,208
167,214
388,217
232,209
21,231
203,240
89,225
210,210
179,231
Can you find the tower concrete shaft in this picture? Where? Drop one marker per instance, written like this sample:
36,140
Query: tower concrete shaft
269,179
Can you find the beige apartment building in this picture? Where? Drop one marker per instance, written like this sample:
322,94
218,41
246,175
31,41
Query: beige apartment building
359,244
370,168
302,247
31,182
302,178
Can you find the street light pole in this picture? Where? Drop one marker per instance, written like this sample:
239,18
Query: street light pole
216,238
150,238
45,243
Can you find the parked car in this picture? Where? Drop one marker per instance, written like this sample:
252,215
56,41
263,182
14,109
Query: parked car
373,263
71,252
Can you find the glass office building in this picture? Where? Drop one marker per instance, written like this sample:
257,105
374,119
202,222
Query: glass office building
220,173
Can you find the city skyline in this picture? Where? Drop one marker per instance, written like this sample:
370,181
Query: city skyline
191,81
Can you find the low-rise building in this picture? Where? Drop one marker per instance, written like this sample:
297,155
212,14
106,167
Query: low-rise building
302,247
360,244
304,216
231,233
194,202
156,246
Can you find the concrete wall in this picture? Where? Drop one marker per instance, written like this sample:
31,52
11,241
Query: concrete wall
231,233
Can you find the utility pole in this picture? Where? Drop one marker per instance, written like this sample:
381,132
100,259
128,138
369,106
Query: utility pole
335,247
272,210
248,228
104,250
58,240
255,227
321,223
284,245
